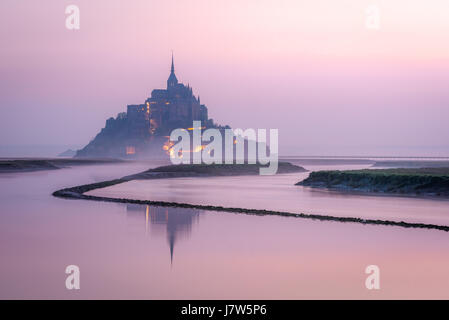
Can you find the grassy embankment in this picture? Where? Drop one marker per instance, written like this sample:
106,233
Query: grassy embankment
212,170
410,181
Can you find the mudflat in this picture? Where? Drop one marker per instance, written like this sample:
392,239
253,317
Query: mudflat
35,164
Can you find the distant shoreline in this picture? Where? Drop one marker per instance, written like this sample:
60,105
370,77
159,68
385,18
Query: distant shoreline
78,193
16,165
30,164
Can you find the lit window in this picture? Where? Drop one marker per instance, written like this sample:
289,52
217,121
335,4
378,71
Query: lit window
130,150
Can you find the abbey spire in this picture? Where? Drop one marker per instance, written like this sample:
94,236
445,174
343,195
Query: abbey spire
172,80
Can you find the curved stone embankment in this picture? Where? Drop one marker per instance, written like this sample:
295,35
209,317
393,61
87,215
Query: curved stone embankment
78,192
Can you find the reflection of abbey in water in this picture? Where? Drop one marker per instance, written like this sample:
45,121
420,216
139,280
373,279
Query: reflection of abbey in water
176,222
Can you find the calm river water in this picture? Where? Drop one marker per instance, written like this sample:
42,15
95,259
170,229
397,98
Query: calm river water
129,251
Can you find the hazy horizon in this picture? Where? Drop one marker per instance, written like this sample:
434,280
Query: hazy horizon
308,68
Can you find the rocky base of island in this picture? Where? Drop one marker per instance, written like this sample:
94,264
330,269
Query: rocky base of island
400,181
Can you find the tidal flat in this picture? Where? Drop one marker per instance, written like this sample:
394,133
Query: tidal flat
129,250
14,165
85,192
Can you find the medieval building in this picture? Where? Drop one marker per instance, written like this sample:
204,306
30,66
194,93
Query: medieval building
167,109
142,131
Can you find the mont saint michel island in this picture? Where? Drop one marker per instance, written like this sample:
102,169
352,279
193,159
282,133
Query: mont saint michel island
143,130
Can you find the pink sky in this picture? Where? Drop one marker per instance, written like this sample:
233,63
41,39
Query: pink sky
309,68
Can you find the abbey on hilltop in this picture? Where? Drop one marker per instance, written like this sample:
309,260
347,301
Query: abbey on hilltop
142,131
168,109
